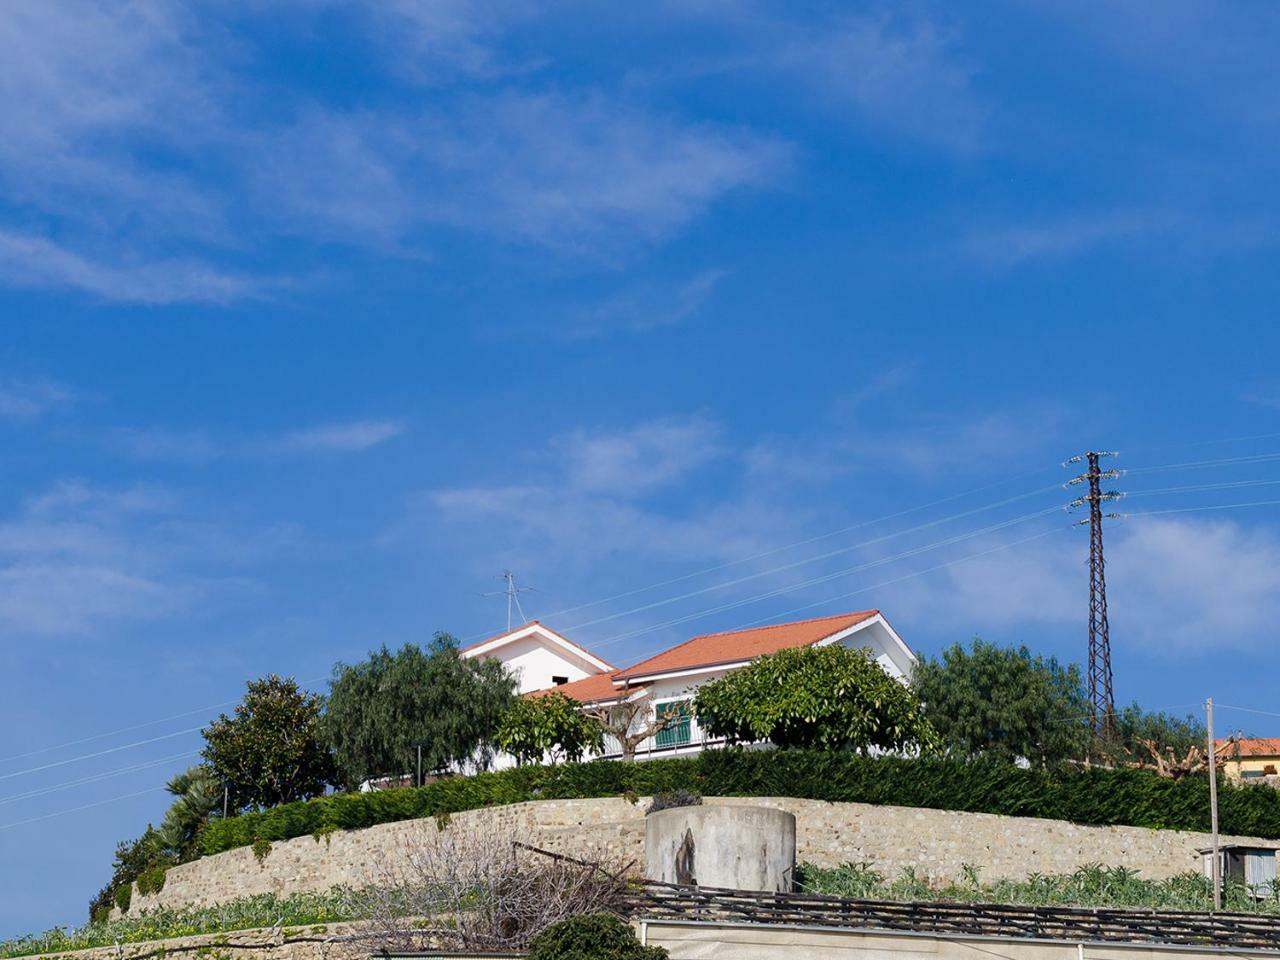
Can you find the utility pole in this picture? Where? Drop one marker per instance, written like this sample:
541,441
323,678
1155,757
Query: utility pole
512,593
1102,701
1213,806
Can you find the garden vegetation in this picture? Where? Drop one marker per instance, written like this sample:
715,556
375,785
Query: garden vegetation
1096,795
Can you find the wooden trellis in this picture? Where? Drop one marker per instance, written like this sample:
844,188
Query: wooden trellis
1238,930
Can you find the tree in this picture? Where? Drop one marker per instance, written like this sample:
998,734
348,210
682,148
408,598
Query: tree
381,709
198,794
828,697
271,751
1003,701
1174,747
1136,727
550,724
132,859
618,719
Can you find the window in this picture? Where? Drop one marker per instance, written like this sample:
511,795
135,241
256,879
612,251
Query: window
677,733
559,681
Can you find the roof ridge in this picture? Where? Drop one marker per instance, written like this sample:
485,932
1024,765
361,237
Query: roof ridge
538,623
788,623
724,633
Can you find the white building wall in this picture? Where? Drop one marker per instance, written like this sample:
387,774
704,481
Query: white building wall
535,662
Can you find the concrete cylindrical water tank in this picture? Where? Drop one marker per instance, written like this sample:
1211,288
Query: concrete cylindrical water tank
743,848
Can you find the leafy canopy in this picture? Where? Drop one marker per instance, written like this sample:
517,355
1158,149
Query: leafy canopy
132,859
830,697
1004,702
1135,727
379,710
271,751
198,798
592,936
551,724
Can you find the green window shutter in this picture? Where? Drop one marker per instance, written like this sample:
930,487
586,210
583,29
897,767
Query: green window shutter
678,733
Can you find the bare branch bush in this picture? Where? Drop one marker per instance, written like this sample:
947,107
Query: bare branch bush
628,722
468,885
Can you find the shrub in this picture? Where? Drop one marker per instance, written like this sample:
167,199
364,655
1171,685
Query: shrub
123,896
1096,796
592,936
831,698
1091,885
152,880
676,798
552,726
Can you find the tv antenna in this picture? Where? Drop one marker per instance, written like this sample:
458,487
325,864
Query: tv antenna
512,593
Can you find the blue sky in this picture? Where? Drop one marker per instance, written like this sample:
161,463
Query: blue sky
315,316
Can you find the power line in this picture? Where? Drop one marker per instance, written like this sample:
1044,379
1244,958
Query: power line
99,753
96,777
113,733
1221,506
788,546
1200,487
824,536
1264,713
843,596
826,577
136,726
909,576
815,559
84,806
1198,464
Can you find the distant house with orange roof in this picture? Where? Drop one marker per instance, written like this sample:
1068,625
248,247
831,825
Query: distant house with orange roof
1250,758
545,661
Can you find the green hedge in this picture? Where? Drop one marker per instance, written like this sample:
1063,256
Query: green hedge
1133,797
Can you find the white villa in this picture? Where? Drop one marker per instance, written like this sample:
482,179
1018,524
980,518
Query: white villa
545,660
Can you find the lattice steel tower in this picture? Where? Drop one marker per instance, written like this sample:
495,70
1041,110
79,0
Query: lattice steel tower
1102,701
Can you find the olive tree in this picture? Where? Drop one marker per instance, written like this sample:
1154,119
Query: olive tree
1005,702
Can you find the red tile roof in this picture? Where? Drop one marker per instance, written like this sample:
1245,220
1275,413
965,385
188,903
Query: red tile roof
1252,747
588,690
736,645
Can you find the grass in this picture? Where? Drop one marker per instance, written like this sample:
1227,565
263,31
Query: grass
246,913
1092,885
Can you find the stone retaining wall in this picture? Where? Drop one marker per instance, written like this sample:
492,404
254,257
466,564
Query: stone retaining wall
336,941
935,843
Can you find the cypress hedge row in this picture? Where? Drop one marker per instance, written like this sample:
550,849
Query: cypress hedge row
1130,797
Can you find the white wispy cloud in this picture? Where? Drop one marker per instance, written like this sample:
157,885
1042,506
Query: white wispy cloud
351,437
93,92
1006,246
78,555
79,558
902,72
33,261
202,446
563,170
594,498
642,308
1175,584
26,400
